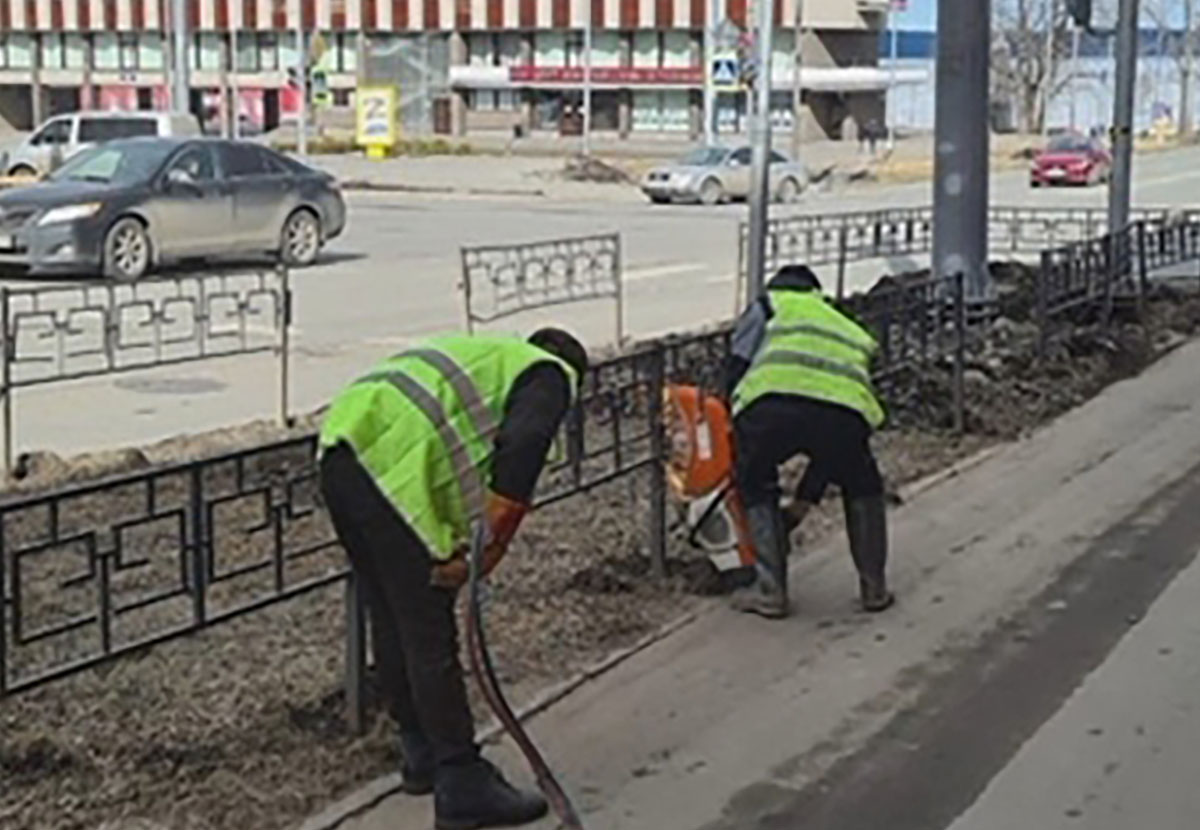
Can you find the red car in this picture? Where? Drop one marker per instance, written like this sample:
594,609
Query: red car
1071,159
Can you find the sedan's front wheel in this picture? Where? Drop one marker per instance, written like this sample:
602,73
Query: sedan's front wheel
126,250
301,239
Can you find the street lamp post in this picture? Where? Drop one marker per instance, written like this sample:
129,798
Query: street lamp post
761,143
180,83
1120,185
302,82
798,82
587,78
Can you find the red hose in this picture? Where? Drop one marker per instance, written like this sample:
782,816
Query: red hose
485,676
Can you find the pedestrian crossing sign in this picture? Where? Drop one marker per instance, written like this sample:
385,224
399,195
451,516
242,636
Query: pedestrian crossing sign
725,72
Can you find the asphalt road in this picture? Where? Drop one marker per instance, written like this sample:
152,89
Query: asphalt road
394,276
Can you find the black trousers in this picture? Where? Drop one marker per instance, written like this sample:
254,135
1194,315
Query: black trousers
775,428
413,627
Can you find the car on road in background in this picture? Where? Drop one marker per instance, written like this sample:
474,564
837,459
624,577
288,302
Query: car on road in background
122,208
63,136
1071,159
711,175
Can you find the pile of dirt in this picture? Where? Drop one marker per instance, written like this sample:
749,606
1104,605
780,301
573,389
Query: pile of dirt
594,170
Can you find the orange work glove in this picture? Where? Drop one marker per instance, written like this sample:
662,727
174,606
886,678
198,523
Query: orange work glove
503,517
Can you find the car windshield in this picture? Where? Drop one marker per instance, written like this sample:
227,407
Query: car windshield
115,163
1068,144
703,157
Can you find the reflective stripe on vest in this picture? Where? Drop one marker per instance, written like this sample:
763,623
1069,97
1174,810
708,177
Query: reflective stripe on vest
819,331
482,419
822,364
470,483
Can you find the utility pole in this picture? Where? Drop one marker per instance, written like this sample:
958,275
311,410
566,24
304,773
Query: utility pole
1049,69
760,190
893,56
587,78
1120,187
302,82
1074,76
798,83
1187,70
960,176
710,88
235,104
180,77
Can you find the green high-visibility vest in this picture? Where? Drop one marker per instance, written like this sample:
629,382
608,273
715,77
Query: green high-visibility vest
424,423
813,350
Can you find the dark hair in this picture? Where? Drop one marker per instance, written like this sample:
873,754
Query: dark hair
797,278
562,345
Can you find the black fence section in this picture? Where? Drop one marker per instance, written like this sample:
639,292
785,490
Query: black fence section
56,333
840,239
499,281
92,572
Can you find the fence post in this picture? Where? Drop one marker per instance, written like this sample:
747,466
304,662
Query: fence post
658,474
7,351
466,289
1043,302
1142,277
285,344
356,656
620,289
841,264
960,352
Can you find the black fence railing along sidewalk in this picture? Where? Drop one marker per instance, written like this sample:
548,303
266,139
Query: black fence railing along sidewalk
89,573
58,333
841,239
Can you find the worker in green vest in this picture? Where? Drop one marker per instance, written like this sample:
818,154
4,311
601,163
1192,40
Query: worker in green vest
449,432
799,382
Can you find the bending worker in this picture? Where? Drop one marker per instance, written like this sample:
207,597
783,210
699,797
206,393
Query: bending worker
412,453
800,383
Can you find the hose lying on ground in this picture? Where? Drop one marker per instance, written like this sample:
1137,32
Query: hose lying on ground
485,676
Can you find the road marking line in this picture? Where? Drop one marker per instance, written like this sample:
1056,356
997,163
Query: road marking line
659,271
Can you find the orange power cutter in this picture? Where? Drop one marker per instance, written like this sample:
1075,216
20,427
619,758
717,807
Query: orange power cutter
700,472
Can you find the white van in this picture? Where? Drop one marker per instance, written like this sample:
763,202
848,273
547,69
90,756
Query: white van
65,135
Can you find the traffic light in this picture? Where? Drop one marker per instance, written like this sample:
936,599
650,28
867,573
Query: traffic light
1081,13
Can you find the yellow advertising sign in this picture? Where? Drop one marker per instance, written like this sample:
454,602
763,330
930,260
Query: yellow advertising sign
375,108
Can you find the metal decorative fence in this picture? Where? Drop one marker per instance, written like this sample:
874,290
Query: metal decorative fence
57,333
841,239
499,281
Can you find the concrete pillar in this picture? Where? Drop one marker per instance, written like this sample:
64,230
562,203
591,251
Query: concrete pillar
458,97
37,92
695,114
624,112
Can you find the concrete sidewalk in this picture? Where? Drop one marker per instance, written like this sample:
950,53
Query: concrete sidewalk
730,717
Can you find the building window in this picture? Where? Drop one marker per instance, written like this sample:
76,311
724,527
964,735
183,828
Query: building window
646,52
550,49
676,49
127,46
3,50
268,52
575,49
52,50
346,53
245,52
74,51
479,49
508,49
150,51
104,51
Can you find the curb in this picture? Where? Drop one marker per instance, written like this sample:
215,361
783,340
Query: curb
397,187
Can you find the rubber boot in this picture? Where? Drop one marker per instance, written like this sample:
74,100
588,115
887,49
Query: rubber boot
416,773
768,595
475,795
866,525
794,513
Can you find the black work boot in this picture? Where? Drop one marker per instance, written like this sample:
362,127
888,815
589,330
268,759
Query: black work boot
866,525
767,597
475,794
416,772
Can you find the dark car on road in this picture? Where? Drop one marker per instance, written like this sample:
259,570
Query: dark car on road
1071,159
128,206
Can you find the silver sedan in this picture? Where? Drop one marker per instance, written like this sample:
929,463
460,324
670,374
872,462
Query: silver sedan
122,208
711,175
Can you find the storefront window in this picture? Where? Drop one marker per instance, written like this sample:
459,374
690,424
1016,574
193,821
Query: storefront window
646,114
676,111
246,48
574,48
606,49
677,49
73,53
104,48
550,49
127,45
645,50
547,110
268,52
150,51
289,55
208,51
347,53
52,51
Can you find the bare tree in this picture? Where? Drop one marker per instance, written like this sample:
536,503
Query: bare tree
1030,40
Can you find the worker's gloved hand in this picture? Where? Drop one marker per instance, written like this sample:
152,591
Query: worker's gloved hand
503,516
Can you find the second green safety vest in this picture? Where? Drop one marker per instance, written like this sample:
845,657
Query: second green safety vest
813,350
424,423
